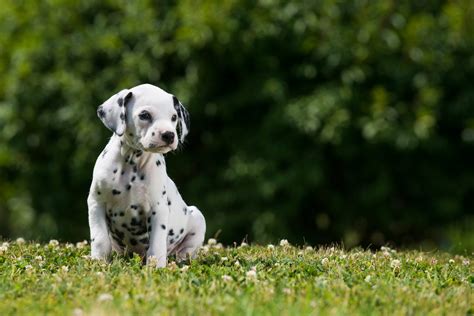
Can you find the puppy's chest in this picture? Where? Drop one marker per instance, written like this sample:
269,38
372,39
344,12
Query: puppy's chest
129,202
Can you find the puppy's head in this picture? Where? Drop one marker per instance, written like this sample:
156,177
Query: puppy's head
147,117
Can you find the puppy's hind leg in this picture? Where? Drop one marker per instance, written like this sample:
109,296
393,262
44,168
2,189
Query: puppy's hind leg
194,238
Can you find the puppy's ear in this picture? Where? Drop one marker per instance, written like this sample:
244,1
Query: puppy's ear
113,112
183,126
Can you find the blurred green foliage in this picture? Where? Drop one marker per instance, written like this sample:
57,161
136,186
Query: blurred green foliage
315,121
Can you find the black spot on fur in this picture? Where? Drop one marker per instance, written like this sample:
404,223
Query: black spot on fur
139,153
122,116
130,134
158,162
132,179
153,213
171,233
128,186
149,220
181,230
163,226
123,171
169,202
133,241
115,170
185,210
135,169
133,206
98,192
144,240
116,192
141,212
122,214
164,192
192,234
120,101
142,177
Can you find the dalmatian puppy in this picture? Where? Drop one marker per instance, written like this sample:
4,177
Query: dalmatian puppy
134,207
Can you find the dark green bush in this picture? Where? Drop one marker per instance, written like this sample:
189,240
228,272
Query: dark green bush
316,121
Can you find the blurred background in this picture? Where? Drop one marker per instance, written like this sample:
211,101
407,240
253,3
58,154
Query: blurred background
316,121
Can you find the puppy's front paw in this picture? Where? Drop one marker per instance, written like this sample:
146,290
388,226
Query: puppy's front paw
100,249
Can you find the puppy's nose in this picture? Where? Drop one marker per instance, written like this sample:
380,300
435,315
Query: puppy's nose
168,137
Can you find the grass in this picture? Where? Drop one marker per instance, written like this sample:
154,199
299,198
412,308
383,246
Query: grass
246,280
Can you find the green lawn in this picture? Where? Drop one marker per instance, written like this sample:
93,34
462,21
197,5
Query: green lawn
245,280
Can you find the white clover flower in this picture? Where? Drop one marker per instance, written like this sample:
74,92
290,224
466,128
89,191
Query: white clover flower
300,253
105,297
224,259
29,267
395,264
284,243
37,245
324,261
87,257
219,246
243,244
65,269
226,278
3,249
368,278
287,291
81,244
309,248
69,246
270,247
386,254
419,259
6,244
77,312
451,261
343,257
237,263
184,268
204,249
251,274
211,241
53,243
100,274
434,261
20,240
152,261
172,265
39,258
466,262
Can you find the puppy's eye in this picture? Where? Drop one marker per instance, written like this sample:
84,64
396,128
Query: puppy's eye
144,116
174,117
